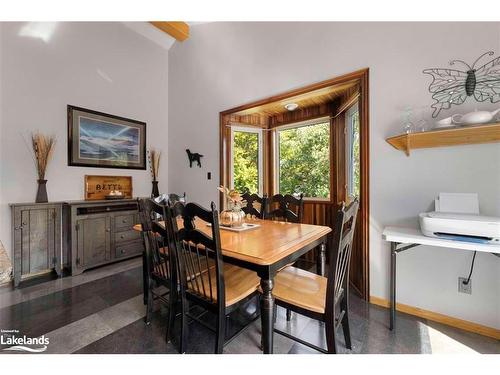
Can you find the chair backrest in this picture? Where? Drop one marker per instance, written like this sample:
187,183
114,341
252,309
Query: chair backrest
286,208
340,253
198,255
256,205
173,198
156,239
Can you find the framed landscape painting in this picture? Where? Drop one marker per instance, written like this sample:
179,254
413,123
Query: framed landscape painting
97,139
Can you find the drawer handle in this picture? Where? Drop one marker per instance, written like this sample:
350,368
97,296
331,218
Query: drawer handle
108,230
124,221
122,236
122,251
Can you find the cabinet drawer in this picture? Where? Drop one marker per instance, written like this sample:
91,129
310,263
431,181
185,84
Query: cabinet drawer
127,236
128,249
125,221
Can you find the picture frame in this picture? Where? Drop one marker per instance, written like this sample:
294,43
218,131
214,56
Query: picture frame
102,140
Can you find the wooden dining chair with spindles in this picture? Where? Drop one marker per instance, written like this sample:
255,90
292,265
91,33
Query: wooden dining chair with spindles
322,298
256,205
220,289
289,209
160,280
286,208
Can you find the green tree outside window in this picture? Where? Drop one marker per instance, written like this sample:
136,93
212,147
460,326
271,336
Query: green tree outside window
246,162
304,160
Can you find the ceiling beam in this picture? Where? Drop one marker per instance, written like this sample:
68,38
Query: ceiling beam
176,29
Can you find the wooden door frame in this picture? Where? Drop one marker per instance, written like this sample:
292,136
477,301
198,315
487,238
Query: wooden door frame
362,78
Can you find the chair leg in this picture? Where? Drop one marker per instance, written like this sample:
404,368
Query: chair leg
184,328
345,323
149,305
171,314
331,341
275,313
288,315
220,334
144,274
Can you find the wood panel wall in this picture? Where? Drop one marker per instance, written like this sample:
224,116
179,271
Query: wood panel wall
302,114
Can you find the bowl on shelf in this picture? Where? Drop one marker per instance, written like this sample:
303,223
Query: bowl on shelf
475,117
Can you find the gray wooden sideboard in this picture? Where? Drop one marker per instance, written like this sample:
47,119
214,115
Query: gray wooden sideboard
72,235
100,232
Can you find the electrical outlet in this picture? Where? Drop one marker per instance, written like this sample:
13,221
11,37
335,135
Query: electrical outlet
464,288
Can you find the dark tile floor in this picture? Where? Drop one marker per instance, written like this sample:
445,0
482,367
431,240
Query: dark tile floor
104,314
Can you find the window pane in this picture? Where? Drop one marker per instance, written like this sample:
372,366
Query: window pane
246,162
354,154
304,160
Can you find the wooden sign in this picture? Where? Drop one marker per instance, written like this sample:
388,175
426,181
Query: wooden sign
97,187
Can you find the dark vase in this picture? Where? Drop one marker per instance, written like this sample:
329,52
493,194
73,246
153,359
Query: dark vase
41,194
155,191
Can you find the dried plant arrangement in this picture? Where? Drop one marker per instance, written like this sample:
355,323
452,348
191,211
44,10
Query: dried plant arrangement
154,166
233,198
43,148
154,162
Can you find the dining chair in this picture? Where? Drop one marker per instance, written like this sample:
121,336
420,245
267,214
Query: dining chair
286,208
256,205
160,266
172,197
322,298
289,209
220,289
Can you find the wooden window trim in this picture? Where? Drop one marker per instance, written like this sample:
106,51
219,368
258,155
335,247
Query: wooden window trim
362,77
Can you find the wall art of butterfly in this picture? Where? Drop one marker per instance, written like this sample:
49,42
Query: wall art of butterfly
451,87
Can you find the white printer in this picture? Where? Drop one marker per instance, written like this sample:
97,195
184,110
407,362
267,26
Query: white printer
473,228
457,218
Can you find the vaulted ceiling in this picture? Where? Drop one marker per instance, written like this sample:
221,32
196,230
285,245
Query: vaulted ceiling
176,29
163,33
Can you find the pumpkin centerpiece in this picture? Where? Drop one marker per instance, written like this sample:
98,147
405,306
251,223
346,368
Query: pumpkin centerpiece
233,216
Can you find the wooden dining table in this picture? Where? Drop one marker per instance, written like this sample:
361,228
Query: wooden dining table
266,249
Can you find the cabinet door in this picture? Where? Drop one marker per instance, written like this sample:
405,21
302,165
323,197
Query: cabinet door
37,239
93,240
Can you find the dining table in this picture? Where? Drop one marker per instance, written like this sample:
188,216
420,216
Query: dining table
266,248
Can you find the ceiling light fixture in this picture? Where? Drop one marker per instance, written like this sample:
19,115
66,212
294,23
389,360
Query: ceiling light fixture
291,106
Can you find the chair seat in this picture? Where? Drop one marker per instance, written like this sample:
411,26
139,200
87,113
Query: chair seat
239,283
301,288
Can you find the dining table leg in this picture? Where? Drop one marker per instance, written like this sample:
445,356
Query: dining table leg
267,314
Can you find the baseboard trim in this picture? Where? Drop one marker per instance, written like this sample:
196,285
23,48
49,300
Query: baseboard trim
440,318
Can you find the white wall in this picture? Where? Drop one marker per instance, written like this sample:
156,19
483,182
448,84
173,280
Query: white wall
2,219
223,65
102,66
